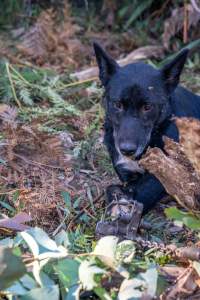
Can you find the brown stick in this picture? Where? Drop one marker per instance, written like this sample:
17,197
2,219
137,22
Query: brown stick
138,54
73,220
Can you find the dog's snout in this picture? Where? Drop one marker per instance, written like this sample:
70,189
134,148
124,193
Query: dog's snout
128,149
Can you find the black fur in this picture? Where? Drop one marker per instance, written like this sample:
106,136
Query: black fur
140,103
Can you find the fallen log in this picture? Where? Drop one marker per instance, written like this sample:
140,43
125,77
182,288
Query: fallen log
138,54
175,170
189,131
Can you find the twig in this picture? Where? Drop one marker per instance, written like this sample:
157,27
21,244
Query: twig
9,192
79,82
194,4
19,75
32,162
158,12
12,86
83,210
21,64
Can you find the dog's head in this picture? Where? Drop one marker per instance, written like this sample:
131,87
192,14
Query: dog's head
137,98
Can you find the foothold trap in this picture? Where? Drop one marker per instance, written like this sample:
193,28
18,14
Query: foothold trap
122,217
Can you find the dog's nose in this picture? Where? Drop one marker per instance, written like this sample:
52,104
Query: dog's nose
128,149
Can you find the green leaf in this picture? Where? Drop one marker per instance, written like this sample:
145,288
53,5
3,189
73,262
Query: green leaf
28,282
186,218
46,280
67,198
36,272
62,239
31,243
144,285
49,293
15,196
87,270
192,222
7,242
125,251
17,289
190,46
67,270
138,11
41,238
193,44
105,250
35,250
130,289
2,161
151,277
73,292
7,206
76,203
11,267
174,213
101,293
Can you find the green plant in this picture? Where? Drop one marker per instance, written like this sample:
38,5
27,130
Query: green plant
9,10
137,8
57,272
183,218
26,85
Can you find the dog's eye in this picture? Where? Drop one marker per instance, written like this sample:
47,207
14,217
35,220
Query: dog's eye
147,107
118,105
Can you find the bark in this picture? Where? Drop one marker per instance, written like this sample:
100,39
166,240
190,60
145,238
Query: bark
176,173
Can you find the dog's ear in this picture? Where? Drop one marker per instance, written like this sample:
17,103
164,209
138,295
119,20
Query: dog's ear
107,65
171,71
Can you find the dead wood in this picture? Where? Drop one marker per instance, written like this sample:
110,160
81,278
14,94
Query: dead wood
189,253
138,54
175,172
183,287
175,22
171,272
189,130
48,42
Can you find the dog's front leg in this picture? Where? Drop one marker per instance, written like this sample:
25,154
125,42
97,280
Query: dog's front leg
148,190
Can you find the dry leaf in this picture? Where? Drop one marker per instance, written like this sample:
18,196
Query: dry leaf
175,23
51,42
184,287
16,223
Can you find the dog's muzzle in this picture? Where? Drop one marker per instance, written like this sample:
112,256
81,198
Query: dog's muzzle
128,164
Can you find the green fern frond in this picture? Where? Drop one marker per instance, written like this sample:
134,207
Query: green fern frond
30,84
24,93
